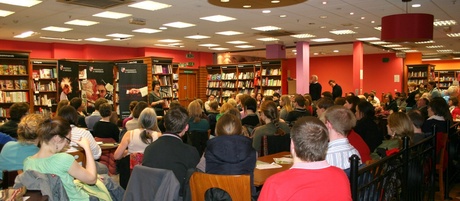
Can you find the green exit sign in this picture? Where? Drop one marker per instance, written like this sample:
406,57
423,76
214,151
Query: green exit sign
188,71
190,64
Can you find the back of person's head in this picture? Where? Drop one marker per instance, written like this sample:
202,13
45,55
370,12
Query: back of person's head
269,110
339,101
200,102
174,103
148,121
76,102
195,111
132,104
353,100
308,99
228,124
416,118
99,102
105,110
226,107
18,110
243,98
454,101
440,108
327,94
286,100
68,113
50,128
310,138
28,126
61,104
341,119
324,103
141,105
232,102
235,112
276,94
366,109
400,125
214,105
250,104
300,100
175,120
268,98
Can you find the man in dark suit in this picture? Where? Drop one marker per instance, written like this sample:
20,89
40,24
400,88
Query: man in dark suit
315,88
336,89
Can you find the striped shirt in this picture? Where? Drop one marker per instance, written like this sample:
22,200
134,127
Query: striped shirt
77,134
338,153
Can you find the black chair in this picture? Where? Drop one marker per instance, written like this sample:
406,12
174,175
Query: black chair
198,139
272,144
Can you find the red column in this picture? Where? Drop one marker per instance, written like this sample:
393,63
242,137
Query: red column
358,52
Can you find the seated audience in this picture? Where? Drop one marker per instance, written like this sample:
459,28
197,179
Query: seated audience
134,123
198,128
207,104
61,104
286,107
310,177
371,100
439,115
95,116
13,153
422,106
259,99
242,98
339,121
77,103
399,125
351,102
104,128
390,104
322,104
366,126
454,108
132,104
250,109
417,122
299,110
276,99
339,101
272,125
17,111
168,151
212,116
225,107
410,101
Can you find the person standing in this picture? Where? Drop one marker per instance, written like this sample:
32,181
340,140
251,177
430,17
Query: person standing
156,99
315,88
336,89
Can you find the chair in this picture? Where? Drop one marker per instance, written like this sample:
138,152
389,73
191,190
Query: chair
237,186
80,157
198,139
8,178
272,144
441,164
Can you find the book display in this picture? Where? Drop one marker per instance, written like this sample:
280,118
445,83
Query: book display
175,81
14,80
270,77
229,81
44,77
214,82
162,71
446,78
420,73
246,76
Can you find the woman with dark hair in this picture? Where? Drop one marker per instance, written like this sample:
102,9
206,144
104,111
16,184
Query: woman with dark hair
156,99
273,126
365,125
77,103
390,104
351,102
104,128
134,122
439,115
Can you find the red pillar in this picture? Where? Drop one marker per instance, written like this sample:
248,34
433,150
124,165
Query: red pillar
358,53
302,67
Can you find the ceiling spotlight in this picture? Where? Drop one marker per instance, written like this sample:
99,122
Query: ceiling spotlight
224,1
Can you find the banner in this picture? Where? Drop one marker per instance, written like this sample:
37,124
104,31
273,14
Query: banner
68,80
98,82
132,85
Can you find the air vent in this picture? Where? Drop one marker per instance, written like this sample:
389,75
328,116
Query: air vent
103,4
275,33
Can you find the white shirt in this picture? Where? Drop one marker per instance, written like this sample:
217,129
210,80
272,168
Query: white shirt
77,134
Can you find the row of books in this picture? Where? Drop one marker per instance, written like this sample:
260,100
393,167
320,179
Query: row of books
246,84
214,92
44,73
270,92
246,91
246,75
14,96
228,93
445,78
216,76
14,84
164,80
214,84
228,76
6,69
418,74
44,100
166,92
5,112
271,71
271,82
48,86
161,69
228,84
416,81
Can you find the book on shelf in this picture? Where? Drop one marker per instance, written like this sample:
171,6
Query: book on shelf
23,84
22,70
16,84
9,84
2,84
35,74
160,69
82,74
45,73
175,76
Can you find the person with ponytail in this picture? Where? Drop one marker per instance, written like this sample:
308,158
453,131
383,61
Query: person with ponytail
273,126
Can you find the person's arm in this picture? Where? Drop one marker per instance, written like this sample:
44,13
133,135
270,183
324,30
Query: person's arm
95,148
88,174
121,149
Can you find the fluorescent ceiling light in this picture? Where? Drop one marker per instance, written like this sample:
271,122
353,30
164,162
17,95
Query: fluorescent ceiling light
303,36
294,50
379,42
431,59
410,50
169,40
368,39
244,46
218,18
23,3
416,5
112,15
119,35
4,13
97,39
453,34
247,6
391,45
121,39
424,42
445,51
229,33
268,39
219,48
336,51
25,34
378,28
163,28
444,23
197,37
342,32
435,46
147,30
63,39
266,11
275,1
237,42
81,22
401,48
208,45
179,25
322,40
266,28
283,16
150,5
57,29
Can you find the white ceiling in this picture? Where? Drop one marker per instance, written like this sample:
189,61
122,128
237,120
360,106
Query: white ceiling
301,18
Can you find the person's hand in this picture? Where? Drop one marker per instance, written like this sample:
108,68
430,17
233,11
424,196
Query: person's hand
83,143
161,101
133,91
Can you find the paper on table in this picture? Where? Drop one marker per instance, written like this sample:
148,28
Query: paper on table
283,160
263,165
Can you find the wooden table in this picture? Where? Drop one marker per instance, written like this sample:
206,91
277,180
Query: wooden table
261,175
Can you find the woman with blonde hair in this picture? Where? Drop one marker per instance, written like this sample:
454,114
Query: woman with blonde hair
225,107
286,106
198,128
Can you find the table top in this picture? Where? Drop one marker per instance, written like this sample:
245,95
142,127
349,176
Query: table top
261,175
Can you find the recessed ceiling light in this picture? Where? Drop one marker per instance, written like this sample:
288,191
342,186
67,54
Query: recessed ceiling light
97,39
266,28
416,5
378,28
453,34
247,6
324,2
410,51
4,13
368,39
352,13
121,39
316,53
266,11
57,29
150,5
444,23
163,28
392,45
303,36
219,48
179,25
434,46
425,42
224,1
63,39
445,51
147,30
81,22
322,27
25,34
372,21
23,3
112,15
379,42
342,32
244,46
208,45
197,37
322,40
275,1
236,42
336,51
282,16
267,39
323,17
229,33
401,48
363,18
218,18
169,40
119,35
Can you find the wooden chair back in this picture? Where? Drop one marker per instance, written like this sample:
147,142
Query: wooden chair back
272,144
8,178
80,157
237,186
